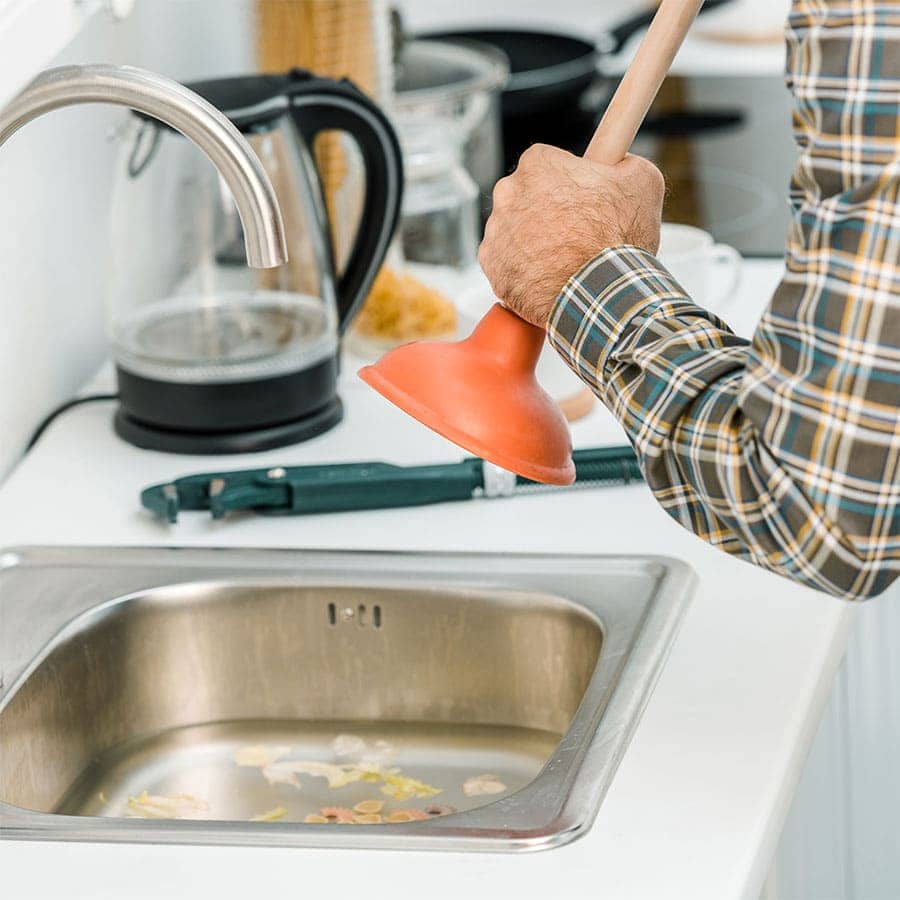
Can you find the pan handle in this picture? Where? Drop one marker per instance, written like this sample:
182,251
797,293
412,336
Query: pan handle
611,42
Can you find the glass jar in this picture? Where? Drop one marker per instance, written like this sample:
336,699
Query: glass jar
461,86
440,222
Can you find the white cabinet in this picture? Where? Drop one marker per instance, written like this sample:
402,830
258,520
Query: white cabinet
842,838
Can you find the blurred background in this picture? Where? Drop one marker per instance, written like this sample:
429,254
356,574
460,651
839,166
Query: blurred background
720,132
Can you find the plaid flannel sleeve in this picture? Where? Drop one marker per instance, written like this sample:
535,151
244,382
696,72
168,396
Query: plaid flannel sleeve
784,450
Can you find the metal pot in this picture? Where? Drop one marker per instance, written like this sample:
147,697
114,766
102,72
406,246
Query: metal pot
462,84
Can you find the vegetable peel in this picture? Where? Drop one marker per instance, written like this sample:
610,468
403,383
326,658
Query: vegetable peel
482,785
154,806
260,755
272,815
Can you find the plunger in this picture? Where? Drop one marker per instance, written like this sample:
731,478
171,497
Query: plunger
482,393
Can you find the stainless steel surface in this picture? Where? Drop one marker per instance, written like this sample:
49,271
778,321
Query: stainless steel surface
131,670
184,111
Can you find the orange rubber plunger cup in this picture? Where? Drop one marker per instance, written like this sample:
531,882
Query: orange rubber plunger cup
482,393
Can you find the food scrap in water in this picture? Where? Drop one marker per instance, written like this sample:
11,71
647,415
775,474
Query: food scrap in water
399,815
273,815
367,819
399,787
259,755
369,807
348,745
395,784
278,774
380,754
151,806
480,785
436,809
405,815
351,745
339,814
368,763
416,815
285,772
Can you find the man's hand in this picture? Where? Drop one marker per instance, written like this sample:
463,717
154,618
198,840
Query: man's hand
555,214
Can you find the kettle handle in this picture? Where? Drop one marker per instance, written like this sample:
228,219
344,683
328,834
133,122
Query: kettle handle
317,105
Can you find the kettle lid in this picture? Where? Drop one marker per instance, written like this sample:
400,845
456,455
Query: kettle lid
250,101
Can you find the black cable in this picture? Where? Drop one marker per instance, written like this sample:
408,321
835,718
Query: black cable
51,417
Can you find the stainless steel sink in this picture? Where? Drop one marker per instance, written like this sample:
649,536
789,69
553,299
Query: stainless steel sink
125,670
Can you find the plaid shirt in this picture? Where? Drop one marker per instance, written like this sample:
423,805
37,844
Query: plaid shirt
784,450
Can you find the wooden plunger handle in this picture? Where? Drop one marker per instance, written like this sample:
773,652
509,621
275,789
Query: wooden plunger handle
638,89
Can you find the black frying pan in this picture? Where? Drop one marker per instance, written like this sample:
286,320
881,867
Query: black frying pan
550,74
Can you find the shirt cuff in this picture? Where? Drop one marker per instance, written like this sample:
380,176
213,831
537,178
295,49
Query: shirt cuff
594,311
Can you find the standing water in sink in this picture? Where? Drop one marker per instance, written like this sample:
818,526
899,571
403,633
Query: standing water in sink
307,771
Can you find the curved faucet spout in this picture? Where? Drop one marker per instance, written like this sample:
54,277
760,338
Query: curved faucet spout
182,110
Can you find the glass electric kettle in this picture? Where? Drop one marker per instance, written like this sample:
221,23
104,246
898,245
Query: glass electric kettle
211,355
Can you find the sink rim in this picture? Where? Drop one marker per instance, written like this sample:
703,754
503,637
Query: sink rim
576,777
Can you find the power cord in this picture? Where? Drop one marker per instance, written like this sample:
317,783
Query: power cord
64,407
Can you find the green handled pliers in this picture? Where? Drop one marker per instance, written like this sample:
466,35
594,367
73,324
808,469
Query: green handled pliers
303,490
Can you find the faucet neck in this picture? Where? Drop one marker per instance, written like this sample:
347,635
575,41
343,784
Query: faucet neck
181,109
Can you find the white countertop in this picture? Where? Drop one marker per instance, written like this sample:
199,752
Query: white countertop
696,807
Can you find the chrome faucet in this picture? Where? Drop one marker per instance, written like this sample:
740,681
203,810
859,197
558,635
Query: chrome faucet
181,109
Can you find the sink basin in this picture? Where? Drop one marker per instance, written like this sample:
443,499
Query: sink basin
225,677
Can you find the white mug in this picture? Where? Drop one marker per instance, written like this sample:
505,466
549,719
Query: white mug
708,272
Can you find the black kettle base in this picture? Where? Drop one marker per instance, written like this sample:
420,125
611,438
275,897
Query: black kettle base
151,437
